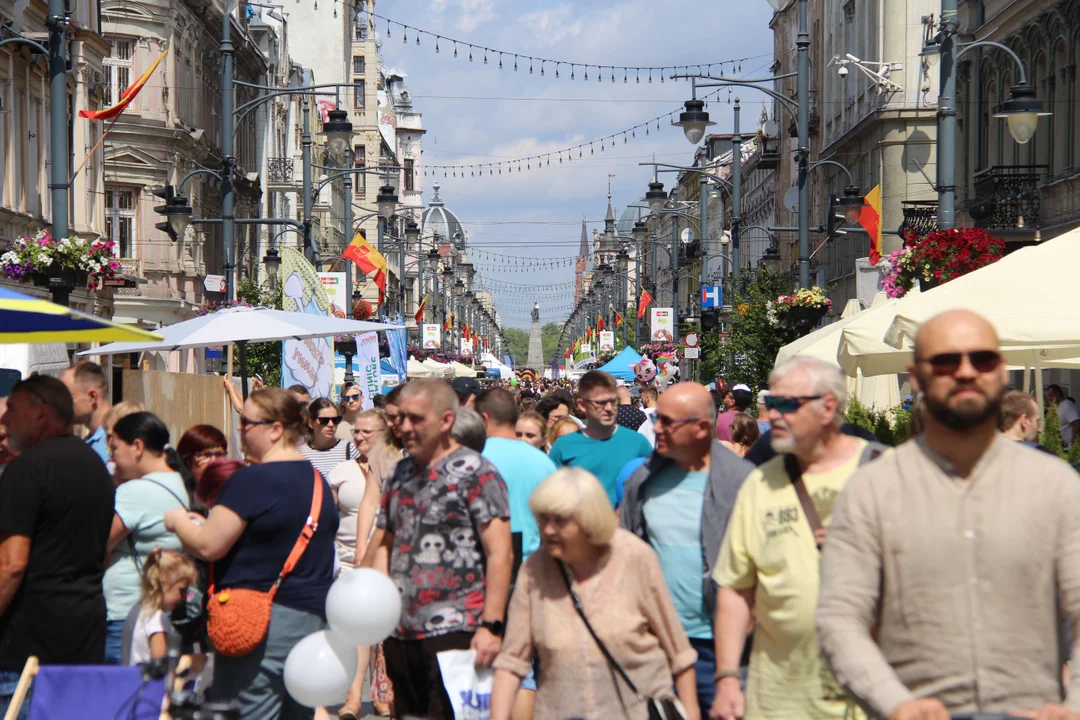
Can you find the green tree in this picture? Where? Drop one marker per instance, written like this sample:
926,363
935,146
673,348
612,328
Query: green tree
263,359
549,336
517,344
1051,437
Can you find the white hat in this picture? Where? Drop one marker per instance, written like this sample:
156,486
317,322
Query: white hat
741,386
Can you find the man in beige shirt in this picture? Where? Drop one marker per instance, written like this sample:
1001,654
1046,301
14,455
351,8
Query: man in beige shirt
959,547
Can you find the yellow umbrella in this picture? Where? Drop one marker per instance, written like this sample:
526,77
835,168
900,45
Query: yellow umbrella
26,319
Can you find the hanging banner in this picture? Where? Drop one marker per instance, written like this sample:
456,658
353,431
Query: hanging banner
369,374
662,326
334,285
305,362
607,341
466,347
432,337
396,342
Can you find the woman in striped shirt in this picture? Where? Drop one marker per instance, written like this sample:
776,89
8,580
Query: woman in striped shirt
323,449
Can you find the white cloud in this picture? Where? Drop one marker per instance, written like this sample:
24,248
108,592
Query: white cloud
471,13
552,26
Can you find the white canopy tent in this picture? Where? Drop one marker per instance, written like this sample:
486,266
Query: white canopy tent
440,370
462,370
417,369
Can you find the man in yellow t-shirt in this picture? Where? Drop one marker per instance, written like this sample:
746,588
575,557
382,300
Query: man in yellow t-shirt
768,562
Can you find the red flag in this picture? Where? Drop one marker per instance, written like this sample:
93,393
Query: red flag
125,97
599,322
618,319
870,219
646,299
419,316
369,260
567,353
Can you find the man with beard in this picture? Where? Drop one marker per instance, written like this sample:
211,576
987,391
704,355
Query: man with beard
951,561
768,563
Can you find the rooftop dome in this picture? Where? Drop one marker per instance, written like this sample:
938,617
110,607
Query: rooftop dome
634,211
440,220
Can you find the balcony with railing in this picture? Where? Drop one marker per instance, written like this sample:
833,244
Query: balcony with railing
1007,197
920,217
280,173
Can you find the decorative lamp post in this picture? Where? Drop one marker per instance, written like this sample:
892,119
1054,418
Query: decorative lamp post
694,119
771,259
337,132
432,259
656,198
272,261
1021,112
386,201
851,204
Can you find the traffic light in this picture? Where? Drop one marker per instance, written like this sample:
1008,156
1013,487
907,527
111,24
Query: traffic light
834,219
710,319
176,211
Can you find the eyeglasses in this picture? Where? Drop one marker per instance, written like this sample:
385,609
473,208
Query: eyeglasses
784,404
324,421
205,455
246,422
602,403
672,423
352,397
983,361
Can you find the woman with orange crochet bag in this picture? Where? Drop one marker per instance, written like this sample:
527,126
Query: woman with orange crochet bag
270,539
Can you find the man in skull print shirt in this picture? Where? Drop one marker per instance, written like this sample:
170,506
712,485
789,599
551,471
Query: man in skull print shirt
444,538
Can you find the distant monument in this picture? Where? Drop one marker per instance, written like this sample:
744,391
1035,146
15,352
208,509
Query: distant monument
536,345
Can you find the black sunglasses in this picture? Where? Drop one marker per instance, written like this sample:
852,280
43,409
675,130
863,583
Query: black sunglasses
983,361
784,404
247,422
324,421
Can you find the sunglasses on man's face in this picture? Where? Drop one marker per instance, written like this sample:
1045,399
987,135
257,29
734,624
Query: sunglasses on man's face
324,421
784,404
983,361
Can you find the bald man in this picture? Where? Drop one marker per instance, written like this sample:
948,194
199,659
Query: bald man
679,502
961,547
444,538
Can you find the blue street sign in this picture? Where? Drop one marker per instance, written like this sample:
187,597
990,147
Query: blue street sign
712,297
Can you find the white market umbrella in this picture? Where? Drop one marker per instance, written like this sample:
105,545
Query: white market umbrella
439,369
417,369
462,370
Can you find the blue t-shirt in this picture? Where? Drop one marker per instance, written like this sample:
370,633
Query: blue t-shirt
97,443
522,467
603,458
673,502
274,500
624,475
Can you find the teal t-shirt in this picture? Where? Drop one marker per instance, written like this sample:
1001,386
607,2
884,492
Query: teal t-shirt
141,505
522,467
673,502
603,458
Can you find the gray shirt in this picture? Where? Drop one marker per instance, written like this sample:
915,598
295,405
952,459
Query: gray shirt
963,581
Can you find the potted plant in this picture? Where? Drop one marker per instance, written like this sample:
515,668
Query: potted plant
801,310
60,262
939,257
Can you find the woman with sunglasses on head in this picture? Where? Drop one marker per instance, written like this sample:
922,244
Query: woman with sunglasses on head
251,531
324,449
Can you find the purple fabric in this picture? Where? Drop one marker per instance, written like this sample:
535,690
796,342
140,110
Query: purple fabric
94,692
723,425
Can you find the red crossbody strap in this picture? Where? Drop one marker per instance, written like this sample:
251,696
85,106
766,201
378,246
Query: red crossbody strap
306,533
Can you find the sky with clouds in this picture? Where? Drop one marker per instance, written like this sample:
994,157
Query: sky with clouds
476,113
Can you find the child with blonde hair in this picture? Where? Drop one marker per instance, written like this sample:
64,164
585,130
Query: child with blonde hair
166,577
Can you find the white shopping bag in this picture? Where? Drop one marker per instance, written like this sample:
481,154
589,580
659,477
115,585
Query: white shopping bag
469,689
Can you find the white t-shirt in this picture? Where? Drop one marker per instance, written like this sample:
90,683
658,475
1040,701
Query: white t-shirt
1067,414
648,428
147,624
349,482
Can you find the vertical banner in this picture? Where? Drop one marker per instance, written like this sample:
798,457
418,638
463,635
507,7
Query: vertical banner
369,375
305,362
466,347
607,341
396,341
334,285
432,337
662,329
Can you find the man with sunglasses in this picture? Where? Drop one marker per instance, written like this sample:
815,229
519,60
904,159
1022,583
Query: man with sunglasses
603,447
951,561
768,564
679,503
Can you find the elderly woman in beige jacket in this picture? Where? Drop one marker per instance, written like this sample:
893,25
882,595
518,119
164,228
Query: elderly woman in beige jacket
620,586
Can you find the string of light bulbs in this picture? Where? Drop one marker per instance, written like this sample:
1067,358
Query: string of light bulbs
491,284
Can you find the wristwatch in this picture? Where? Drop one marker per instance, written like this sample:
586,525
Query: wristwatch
495,627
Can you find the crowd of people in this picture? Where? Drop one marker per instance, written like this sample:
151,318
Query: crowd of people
732,552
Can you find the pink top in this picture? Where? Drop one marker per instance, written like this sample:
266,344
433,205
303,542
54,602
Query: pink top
627,603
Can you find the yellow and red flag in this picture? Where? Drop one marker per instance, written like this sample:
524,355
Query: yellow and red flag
449,322
599,322
618,318
419,316
465,332
646,299
369,260
870,219
125,97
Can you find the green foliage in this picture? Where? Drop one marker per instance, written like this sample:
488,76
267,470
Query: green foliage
901,422
859,414
549,336
1074,452
263,359
750,353
1051,437
889,427
517,344
883,429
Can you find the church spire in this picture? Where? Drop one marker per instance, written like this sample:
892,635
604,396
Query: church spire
609,219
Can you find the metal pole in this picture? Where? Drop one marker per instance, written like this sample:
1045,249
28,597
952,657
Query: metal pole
736,196
675,264
637,297
401,275
802,43
305,160
348,186
58,118
703,191
228,151
946,117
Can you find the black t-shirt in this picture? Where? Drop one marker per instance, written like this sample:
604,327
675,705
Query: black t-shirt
60,495
630,417
274,500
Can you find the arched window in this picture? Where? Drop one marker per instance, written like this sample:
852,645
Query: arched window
1059,119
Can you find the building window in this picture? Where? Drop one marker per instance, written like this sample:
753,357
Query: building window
118,69
358,63
361,31
358,91
120,220
409,182
359,160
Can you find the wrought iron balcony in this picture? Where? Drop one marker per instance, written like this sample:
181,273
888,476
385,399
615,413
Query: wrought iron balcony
920,217
1007,197
280,171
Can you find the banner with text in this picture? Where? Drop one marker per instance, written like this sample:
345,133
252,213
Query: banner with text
607,341
466,347
369,375
334,285
432,337
662,327
305,362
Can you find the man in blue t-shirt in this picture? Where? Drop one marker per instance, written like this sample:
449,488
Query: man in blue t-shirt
603,447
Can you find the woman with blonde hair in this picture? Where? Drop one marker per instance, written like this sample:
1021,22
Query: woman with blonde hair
590,577
562,426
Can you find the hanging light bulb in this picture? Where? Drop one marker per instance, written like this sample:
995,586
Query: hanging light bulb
418,39
387,23
650,75
556,71
500,61
485,57
455,49
624,77
470,53
530,66
541,68
571,72
436,45
515,63
405,36
586,72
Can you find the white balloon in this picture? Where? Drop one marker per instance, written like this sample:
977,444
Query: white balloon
319,669
363,606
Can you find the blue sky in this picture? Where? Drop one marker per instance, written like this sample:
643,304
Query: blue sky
475,113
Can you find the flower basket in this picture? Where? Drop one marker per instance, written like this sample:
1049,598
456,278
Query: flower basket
928,284
801,310
56,276
345,346
804,318
937,258
59,263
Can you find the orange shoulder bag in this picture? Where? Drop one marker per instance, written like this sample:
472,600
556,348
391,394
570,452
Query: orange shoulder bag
237,619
